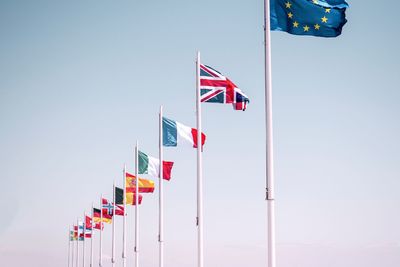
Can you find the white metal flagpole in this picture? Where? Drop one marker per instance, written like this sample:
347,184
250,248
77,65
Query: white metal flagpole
91,240
84,239
270,193
77,245
199,168
73,249
101,232
69,246
161,204
113,229
137,204
124,222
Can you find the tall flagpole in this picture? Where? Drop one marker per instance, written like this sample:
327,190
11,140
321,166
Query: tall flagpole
124,223
270,193
113,229
199,168
77,245
137,205
161,205
101,232
69,246
84,239
91,240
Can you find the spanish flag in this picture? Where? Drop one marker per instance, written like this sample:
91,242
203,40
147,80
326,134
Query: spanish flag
145,186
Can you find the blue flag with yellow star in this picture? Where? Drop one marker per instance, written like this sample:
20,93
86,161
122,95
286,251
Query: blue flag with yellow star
323,18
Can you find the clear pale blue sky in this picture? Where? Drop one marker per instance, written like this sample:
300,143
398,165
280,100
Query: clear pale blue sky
81,81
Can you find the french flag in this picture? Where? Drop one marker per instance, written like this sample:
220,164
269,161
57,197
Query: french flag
175,133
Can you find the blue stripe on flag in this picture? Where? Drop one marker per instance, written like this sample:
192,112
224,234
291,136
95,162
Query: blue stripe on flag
170,132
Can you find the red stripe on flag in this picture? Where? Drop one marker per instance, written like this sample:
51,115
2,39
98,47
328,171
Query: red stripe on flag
141,190
214,83
230,92
194,135
167,169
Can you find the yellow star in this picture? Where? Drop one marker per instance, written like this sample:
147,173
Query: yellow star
288,4
324,19
290,15
316,26
306,28
327,10
295,24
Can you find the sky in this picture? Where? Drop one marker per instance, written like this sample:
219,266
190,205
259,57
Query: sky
82,81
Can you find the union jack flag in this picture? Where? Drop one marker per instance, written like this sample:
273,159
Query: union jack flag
216,88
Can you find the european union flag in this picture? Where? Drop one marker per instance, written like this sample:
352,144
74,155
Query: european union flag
323,18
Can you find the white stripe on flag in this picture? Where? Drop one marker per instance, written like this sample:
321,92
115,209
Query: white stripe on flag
184,133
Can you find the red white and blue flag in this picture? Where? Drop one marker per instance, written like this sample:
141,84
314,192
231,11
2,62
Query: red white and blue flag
216,88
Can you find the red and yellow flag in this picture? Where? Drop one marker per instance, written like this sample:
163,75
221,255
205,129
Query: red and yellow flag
145,186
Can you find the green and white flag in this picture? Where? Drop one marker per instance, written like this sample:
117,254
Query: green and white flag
151,166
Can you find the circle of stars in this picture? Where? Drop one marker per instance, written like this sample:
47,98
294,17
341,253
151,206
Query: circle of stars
306,28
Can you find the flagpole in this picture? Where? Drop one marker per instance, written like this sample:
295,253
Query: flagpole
101,232
137,205
270,193
161,204
77,245
124,222
199,168
113,229
84,239
91,240
73,249
69,246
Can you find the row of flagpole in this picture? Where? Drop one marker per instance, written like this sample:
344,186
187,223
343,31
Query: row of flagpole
74,252
279,22
199,216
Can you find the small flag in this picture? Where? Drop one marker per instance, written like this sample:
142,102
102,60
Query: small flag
119,196
96,215
88,227
78,231
88,222
81,231
151,166
324,18
97,218
216,88
145,186
119,201
72,236
175,132
88,233
95,222
107,210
